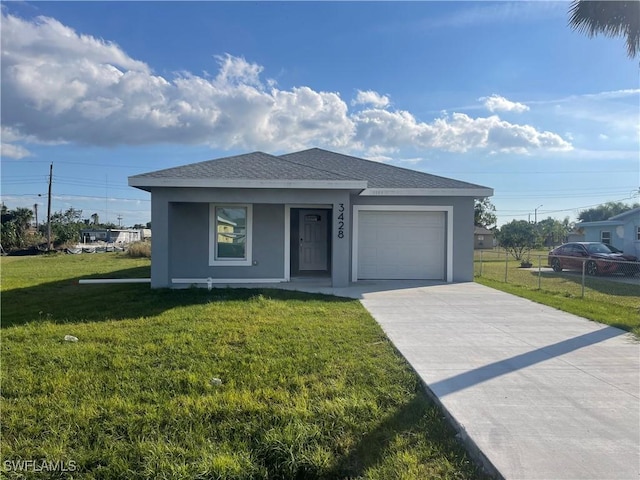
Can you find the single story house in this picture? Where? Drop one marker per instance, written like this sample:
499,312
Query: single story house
260,218
621,231
482,238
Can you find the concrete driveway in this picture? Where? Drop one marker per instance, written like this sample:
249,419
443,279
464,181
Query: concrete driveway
536,393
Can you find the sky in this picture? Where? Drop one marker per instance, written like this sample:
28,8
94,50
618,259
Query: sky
500,94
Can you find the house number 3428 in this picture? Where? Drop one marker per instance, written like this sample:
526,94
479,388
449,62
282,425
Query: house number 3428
341,220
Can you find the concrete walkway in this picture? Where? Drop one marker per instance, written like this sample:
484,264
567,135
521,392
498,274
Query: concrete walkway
535,392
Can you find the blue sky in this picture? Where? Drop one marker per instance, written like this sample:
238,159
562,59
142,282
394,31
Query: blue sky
502,94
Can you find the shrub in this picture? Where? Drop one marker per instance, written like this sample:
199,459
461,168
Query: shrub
139,250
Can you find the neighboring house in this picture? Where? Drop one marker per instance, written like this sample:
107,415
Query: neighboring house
482,238
110,235
314,213
621,231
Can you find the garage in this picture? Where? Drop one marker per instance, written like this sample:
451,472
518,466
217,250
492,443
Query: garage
401,245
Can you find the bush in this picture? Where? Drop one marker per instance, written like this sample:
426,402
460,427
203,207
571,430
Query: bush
139,250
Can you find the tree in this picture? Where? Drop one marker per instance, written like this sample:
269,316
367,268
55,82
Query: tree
518,237
605,211
95,220
484,213
554,232
66,226
15,227
610,18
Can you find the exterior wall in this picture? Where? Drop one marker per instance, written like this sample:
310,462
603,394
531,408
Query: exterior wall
189,240
631,241
180,247
463,226
485,244
180,219
594,234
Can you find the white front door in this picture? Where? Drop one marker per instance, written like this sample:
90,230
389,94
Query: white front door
313,239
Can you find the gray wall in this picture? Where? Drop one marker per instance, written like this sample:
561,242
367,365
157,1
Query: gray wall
189,240
462,226
180,219
181,227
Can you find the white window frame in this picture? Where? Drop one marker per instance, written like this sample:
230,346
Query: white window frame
608,232
213,237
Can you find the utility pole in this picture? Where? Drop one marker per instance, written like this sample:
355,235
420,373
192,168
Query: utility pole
35,209
119,220
49,209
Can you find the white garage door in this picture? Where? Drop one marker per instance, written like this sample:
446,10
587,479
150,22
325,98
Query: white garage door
401,245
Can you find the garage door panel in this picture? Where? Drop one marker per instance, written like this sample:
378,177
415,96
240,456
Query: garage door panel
401,245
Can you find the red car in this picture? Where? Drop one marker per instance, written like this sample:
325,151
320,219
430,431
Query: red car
598,259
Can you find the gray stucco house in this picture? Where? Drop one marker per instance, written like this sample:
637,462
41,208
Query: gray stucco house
260,218
621,231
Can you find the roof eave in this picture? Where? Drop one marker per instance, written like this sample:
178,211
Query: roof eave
146,183
478,192
601,223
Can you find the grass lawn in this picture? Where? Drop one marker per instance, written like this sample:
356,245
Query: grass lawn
309,385
605,301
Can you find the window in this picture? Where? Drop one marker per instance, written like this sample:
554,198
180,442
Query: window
638,233
605,237
230,235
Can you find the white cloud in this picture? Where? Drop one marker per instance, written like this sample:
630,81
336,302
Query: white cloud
497,103
10,150
370,97
455,133
60,86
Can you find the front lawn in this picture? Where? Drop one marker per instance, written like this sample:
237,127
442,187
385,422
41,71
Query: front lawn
196,385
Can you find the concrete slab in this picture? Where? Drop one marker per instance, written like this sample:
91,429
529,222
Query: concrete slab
540,393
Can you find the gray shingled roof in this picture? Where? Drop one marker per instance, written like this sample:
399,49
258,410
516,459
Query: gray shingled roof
313,164
378,175
250,166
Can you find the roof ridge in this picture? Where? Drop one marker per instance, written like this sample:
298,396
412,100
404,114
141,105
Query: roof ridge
314,168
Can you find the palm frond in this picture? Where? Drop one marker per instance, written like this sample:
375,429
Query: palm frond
610,18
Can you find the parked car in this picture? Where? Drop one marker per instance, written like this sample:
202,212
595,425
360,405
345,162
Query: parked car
598,259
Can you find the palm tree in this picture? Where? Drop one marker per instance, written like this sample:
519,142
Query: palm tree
609,17
23,217
95,219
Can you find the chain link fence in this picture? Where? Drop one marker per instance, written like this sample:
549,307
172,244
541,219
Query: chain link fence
572,277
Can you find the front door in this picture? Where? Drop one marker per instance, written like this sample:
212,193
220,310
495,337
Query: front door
313,239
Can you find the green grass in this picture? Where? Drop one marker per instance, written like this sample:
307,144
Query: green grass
311,387
605,300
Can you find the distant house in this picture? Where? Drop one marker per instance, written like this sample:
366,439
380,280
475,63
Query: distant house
92,235
260,218
621,231
482,238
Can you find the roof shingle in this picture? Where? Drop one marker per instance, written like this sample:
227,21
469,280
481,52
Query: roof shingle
314,164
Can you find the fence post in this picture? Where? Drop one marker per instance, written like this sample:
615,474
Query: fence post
583,264
506,265
481,259
539,272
